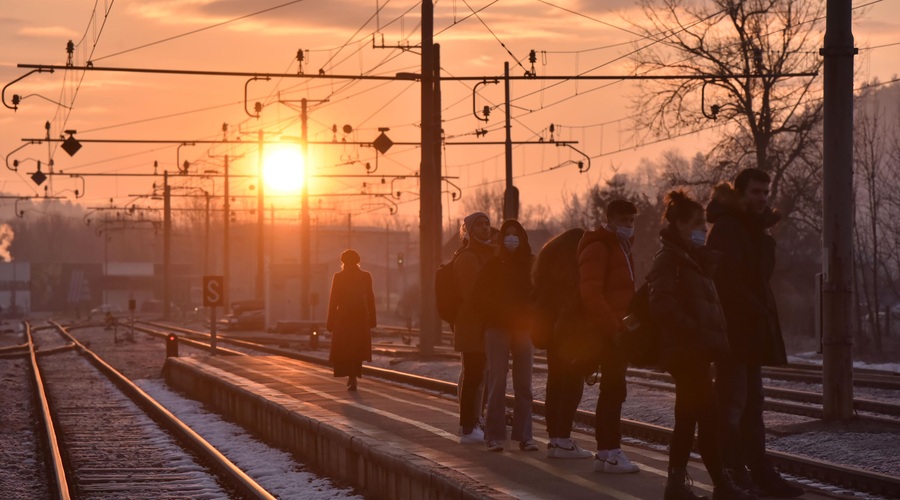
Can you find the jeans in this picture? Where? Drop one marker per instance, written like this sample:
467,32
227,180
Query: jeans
499,343
470,382
739,393
565,386
607,429
695,406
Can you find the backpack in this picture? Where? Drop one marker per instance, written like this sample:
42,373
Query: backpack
446,292
639,341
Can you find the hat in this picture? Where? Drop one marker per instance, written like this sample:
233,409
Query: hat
350,257
470,219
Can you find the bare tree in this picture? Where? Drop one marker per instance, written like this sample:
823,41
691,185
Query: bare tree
876,229
744,47
488,199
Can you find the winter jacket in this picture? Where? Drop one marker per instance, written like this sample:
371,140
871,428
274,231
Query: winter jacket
685,304
503,293
742,280
606,280
468,328
351,315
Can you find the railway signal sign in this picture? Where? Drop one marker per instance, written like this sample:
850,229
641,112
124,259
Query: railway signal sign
213,291
213,297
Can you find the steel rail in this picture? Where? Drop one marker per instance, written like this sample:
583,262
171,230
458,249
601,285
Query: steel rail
55,459
792,396
247,484
827,472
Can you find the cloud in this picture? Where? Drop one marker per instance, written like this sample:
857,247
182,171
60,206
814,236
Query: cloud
48,32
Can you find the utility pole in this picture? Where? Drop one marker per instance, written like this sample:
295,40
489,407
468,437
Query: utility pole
226,236
167,244
260,223
837,234
304,216
429,203
387,267
206,240
511,193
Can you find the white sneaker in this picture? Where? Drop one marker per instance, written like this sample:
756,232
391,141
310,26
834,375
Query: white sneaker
476,436
616,462
567,450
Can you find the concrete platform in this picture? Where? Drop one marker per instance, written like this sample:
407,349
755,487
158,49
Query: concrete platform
396,443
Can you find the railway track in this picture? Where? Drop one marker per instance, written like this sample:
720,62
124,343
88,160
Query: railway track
106,438
792,372
818,470
781,400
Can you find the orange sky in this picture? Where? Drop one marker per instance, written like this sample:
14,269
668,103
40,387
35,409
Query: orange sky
142,106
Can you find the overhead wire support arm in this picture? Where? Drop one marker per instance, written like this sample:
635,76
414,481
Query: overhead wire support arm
16,99
248,143
414,76
487,109
581,168
257,107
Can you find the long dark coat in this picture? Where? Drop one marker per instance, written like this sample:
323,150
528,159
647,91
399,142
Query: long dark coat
742,280
351,316
685,304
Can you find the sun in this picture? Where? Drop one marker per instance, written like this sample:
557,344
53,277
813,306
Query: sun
283,170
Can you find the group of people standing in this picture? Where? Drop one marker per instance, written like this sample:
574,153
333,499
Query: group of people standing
709,294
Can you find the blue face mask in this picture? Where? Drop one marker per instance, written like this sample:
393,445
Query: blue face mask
511,242
625,232
698,237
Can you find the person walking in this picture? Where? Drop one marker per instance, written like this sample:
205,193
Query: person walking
555,278
502,295
468,326
351,316
685,306
606,286
741,219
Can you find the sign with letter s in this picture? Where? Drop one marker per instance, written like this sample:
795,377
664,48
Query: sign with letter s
213,291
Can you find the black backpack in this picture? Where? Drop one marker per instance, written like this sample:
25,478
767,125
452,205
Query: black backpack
639,341
446,292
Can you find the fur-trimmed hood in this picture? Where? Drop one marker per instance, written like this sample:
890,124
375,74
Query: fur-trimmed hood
726,201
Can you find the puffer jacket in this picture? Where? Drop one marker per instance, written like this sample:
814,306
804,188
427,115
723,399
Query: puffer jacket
606,280
685,304
503,293
468,328
742,279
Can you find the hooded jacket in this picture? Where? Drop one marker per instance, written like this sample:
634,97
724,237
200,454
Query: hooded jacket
503,291
742,278
606,280
685,304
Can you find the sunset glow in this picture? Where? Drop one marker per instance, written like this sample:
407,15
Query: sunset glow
283,170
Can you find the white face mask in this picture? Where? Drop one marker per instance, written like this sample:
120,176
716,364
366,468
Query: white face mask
698,237
625,232
511,242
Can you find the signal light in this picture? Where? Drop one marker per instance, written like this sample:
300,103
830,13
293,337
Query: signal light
172,346
314,338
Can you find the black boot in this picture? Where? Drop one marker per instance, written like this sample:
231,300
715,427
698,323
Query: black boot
727,489
770,483
678,486
351,383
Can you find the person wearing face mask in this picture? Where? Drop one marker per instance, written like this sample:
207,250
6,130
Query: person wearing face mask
502,293
685,305
606,287
741,218
468,326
